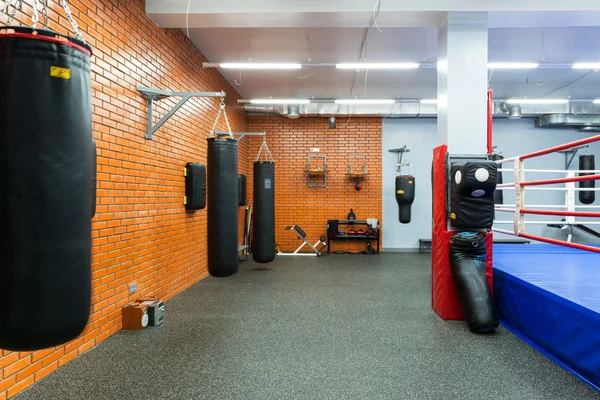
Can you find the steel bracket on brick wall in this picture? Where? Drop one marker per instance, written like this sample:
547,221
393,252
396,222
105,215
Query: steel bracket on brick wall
240,135
156,94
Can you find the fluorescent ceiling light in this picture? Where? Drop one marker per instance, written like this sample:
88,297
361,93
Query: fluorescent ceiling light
429,101
512,65
587,65
279,101
365,101
261,66
377,65
597,101
537,101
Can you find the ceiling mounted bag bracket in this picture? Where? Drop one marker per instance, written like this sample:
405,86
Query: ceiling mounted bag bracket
153,95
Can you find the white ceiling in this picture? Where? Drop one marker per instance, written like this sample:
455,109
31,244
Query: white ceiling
395,44
513,36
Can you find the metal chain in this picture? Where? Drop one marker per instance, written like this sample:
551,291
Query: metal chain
36,16
72,21
16,5
45,12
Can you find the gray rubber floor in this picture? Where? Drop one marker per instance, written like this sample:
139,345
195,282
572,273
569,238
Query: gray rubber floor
334,327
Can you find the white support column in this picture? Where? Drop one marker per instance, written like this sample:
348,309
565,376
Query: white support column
462,82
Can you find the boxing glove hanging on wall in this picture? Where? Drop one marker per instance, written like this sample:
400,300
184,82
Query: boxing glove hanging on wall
587,163
46,168
405,196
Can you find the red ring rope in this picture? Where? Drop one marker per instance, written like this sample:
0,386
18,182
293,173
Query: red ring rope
559,148
560,213
561,180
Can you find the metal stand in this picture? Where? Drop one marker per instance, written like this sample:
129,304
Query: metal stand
401,151
240,135
570,154
156,94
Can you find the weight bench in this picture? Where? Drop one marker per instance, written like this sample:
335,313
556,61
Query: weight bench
302,235
424,245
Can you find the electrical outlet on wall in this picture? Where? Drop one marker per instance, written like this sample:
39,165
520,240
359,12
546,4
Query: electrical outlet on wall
315,149
132,288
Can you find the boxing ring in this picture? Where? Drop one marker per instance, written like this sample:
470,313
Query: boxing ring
549,294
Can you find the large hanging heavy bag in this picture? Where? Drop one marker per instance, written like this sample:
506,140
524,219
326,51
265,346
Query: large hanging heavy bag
222,191
405,196
587,163
467,261
263,245
45,188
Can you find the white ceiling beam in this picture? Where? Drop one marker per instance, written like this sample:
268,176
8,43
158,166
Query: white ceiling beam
358,13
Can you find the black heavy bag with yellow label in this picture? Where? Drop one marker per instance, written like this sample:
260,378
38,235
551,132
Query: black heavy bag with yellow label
46,178
405,195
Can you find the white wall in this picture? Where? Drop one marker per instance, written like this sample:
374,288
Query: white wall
513,137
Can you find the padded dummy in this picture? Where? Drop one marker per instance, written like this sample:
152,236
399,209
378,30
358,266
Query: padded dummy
46,187
467,260
473,184
498,194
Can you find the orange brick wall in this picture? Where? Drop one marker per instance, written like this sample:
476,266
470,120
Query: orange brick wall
290,142
141,232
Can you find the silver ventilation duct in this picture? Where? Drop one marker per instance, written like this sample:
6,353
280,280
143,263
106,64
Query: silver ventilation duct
577,121
293,111
580,115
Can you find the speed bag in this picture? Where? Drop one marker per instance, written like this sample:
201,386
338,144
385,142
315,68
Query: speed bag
587,163
46,167
405,195
222,203
467,261
263,245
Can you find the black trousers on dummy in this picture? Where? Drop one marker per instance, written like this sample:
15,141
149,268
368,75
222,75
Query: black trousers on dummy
467,260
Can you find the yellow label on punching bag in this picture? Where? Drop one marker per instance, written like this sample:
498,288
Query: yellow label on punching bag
60,72
400,191
410,182
452,216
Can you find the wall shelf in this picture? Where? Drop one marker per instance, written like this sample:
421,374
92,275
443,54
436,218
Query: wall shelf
316,171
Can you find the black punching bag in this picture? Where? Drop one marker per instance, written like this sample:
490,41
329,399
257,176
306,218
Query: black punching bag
405,195
263,245
586,163
467,261
222,191
45,188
